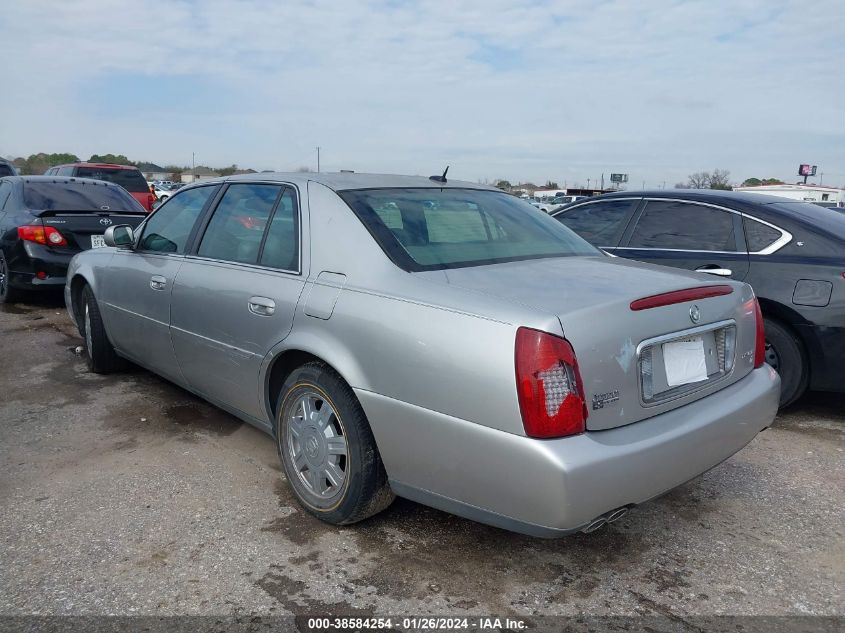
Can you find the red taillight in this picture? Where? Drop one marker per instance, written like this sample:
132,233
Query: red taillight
41,235
760,341
548,384
680,296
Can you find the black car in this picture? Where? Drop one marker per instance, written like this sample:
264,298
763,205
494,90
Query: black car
45,220
792,253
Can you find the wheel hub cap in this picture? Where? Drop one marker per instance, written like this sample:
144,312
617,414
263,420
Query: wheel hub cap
316,445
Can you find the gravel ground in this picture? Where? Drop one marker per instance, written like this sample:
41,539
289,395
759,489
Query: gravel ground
126,495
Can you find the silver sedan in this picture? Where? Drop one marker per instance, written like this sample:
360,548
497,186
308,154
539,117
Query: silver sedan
440,341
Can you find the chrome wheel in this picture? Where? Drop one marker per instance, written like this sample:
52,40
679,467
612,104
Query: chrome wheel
87,327
317,446
3,276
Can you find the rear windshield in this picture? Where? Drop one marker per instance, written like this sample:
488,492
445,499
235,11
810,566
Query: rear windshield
830,221
129,179
77,196
434,229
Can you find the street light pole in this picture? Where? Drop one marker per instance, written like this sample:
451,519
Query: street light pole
318,159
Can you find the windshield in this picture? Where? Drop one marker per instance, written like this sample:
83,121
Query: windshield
48,195
129,179
434,229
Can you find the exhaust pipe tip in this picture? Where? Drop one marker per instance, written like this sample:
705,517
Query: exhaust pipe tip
594,525
617,514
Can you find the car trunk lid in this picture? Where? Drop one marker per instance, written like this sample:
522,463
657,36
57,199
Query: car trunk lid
84,229
619,348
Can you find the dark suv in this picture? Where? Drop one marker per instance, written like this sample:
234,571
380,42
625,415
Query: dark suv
44,221
792,253
128,177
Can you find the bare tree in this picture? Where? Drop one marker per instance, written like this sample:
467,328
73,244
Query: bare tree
698,180
720,179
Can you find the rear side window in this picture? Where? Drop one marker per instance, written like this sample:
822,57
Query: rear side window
168,229
759,236
6,170
598,222
434,228
281,246
668,224
236,229
77,196
129,179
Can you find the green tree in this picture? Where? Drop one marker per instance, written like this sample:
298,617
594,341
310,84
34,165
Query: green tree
114,159
228,171
503,184
551,184
752,182
37,164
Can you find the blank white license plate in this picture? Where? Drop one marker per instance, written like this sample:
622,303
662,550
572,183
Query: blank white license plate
97,241
684,361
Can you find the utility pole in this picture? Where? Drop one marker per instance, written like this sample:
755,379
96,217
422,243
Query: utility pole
193,166
602,181
318,159
588,183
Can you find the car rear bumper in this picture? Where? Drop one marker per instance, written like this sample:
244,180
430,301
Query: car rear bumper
550,488
32,258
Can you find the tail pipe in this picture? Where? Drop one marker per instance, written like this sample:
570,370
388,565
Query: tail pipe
604,519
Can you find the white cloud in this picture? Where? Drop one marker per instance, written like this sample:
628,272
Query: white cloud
561,90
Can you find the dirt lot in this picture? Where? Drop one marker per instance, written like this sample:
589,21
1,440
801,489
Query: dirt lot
126,495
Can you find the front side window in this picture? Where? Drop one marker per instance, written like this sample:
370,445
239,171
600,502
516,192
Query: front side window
168,229
236,229
597,222
434,229
669,224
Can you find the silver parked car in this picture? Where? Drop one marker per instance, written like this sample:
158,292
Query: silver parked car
441,341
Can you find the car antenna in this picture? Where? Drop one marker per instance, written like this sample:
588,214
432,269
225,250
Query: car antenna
440,178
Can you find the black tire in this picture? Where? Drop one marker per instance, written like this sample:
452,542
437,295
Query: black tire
99,352
786,354
364,491
7,293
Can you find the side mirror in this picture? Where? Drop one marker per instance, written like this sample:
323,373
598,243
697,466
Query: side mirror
121,236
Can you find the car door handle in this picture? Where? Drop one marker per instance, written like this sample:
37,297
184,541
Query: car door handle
157,282
712,269
262,306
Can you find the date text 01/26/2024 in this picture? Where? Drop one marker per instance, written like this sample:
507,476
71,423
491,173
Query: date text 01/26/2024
418,623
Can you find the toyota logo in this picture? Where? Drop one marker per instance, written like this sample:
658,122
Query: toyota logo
105,221
695,314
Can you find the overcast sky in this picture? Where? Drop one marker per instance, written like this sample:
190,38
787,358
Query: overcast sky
495,88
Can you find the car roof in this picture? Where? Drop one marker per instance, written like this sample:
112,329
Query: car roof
86,164
61,180
343,181
704,195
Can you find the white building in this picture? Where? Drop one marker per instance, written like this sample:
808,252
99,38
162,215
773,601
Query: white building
806,193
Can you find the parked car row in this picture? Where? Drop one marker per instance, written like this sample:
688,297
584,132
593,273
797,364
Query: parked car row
436,340
792,253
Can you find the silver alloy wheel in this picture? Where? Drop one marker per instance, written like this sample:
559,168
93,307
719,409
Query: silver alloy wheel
317,446
3,275
88,331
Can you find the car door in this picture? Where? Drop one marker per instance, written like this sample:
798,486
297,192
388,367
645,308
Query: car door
136,287
685,234
601,222
236,294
